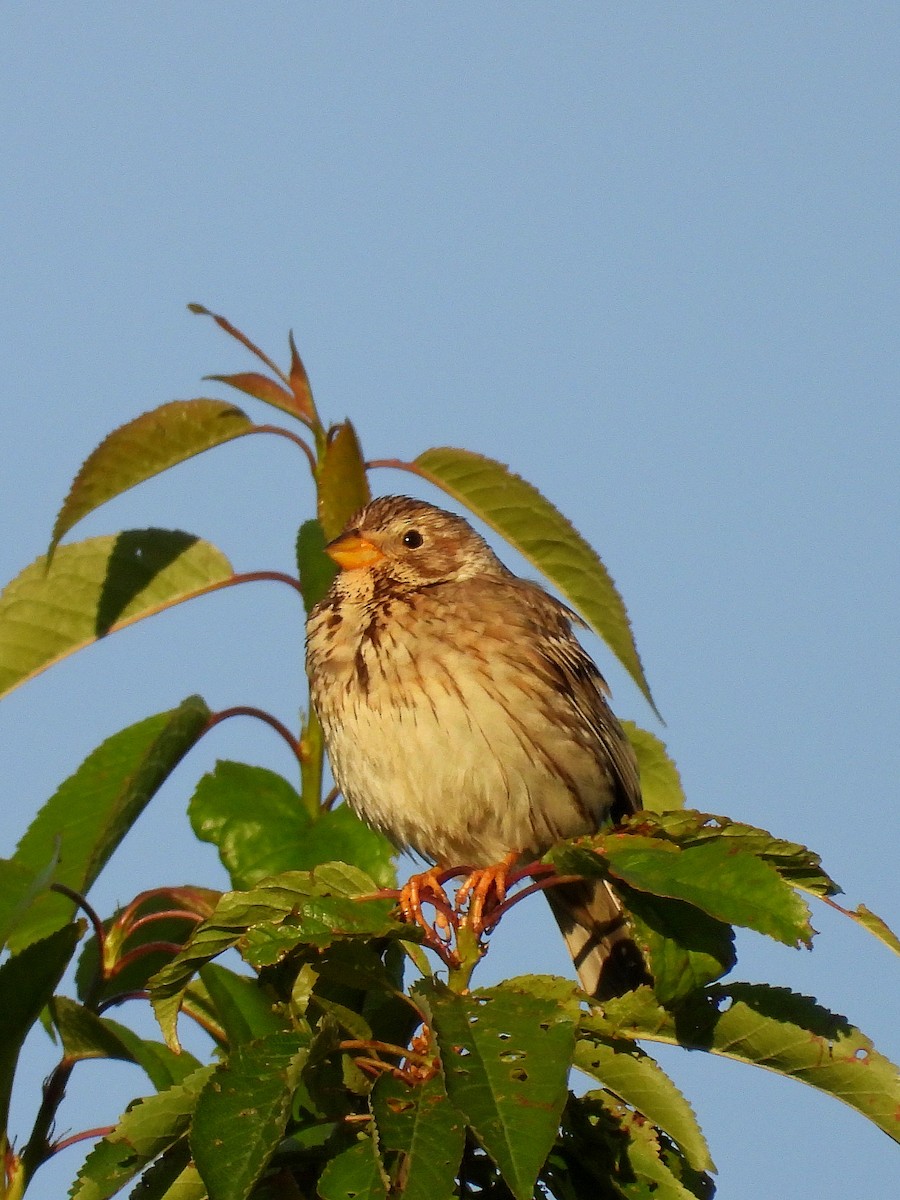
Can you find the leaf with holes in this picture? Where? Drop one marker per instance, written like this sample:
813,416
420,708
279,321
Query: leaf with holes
420,1136
506,1056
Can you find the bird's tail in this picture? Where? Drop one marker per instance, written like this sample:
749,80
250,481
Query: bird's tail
595,927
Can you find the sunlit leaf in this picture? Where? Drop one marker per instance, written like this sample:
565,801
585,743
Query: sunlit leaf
539,531
149,444
876,926
241,1113
506,1055
342,480
95,587
147,1129
20,886
260,387
772,1028
660,782
91,812
636,1078
256,819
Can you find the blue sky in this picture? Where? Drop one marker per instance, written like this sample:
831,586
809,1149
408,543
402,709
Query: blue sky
648,255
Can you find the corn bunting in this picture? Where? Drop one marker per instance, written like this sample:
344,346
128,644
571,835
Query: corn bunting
462,717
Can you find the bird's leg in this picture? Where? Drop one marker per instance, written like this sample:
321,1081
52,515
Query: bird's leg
484,885
426,887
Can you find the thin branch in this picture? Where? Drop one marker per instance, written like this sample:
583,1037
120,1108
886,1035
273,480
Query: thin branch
82,903
244,710
292,437
100,1131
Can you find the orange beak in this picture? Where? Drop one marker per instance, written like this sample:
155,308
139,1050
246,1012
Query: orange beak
352,552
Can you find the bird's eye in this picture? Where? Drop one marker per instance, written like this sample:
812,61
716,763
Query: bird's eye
412,539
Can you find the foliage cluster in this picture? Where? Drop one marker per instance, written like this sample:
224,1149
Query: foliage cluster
345,1061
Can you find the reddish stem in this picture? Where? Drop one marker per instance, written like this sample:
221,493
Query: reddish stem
172,914
140,952
292,437
100,1131
244,710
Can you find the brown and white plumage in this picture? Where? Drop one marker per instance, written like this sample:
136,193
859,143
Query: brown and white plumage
463,718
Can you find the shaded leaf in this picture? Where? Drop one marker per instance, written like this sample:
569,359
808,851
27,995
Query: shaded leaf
91,812
623,1068
683,946
660,782
144,447
539,531
95,587
147,1129
315,568
27,982
256,819
506,1056
420,1136
342,482
244,1009
773,1028
355,1174
20,886
242,1112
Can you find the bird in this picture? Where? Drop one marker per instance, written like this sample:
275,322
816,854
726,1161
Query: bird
463,718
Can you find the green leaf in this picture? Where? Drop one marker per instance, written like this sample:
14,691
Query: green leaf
342,482
506,1056
144,447
90,813
27,982
315,907
623,1068
20,886
727,883
147,1129
772,1028
257,821
242,1006
683,946
539,531
878,928
315,568
420,1136
94,588
354,1175
242,1113
793,862
660,782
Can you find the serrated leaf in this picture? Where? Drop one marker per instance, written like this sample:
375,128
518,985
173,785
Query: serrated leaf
20,886
145,447
27,982
91,812
353,1173
720,879
147,1129
94,588
772,1028
243,1008
85,1035
242,1112
539,531
257,821
420,1136
343,486
660,782
878,928
506,1056
623,1068
315,907
801,867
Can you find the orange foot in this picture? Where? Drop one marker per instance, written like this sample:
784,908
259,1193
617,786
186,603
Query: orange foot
484,885
426,888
